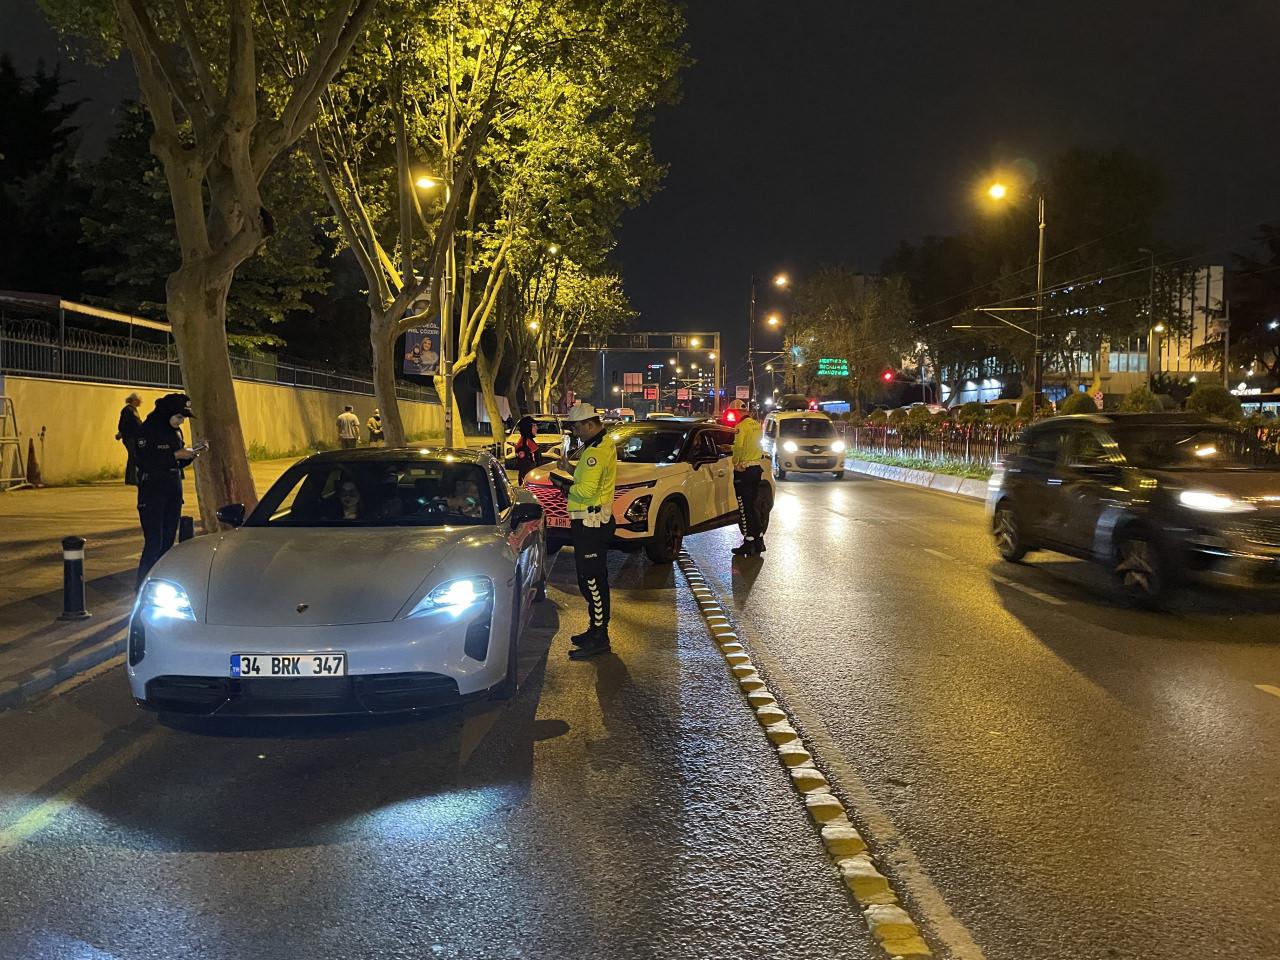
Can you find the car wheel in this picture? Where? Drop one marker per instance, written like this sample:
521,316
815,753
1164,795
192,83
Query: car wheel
540,593
510,682
1008,534
1140,569
668,534
839,474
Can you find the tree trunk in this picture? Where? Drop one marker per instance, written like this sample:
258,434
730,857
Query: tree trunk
197,310
382,340
487,373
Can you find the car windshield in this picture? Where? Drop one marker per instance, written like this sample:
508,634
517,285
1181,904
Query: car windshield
806,427
545,427
639,444
1187,446
377,493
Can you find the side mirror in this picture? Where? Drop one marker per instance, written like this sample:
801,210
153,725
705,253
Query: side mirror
522,513
232,514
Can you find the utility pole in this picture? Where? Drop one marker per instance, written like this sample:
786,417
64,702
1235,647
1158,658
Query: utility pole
1039,371
751,343
1226,344
446,318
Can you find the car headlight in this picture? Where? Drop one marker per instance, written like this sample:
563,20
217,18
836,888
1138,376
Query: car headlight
1211,502
838,447
163,598
638,512
454,596
790,446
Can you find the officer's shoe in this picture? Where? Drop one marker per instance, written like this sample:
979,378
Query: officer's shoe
583,639
760,547
597,643
748,549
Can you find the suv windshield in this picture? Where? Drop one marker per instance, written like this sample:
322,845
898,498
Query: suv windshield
543,427
806,427
377,493
640,444
1187,446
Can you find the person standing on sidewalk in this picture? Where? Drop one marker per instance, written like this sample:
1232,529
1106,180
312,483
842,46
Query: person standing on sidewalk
161,453
127,430
526,453
591,524
747,476
374,426
348,429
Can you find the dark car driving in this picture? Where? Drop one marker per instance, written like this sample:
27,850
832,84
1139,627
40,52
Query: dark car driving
1156,498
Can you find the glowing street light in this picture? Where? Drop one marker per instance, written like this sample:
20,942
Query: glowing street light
533,325
672,361
425,183
553,248
695,342
997,191
781,280
773,319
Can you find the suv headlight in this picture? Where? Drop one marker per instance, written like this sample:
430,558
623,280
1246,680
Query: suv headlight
1211,502
838,447
638,512
454,596
163,598
790,446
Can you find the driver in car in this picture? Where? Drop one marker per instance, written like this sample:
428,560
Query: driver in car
466,499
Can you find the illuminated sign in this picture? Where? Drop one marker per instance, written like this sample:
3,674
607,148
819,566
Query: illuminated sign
833,367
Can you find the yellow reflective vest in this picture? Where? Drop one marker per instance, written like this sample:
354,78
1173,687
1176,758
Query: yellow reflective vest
595,476
747,451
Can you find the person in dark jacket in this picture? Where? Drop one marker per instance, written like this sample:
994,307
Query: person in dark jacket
127,430
526,455
161,454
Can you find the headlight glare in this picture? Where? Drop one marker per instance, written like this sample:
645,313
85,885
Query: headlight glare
162,598
1211,502
838,447
790,446
454,596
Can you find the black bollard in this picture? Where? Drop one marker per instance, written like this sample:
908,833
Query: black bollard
186,529
73,579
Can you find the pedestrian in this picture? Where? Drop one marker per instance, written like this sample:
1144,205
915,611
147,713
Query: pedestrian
161,455
747,476
127,430
374,426
526,455
591,527
348,429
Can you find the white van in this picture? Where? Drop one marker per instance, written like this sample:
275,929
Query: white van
803,441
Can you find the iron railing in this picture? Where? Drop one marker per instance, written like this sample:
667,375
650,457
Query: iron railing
38,348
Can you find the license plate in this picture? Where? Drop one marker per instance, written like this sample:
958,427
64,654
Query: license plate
273,665
558,521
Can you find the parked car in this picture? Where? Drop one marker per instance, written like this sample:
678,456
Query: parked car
1155,498
673,479
802,441
548,433
660,415
363,581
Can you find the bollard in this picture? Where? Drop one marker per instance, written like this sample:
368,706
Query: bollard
186,529
73,579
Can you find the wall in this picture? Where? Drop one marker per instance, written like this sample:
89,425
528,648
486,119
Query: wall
80,420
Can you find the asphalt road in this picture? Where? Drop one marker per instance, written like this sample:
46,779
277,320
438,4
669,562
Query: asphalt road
626,807
1050,773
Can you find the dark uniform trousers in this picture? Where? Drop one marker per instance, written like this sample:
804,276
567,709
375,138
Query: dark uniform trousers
591,557
159,507
746,484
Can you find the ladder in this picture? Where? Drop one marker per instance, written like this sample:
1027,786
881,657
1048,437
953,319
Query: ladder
13,472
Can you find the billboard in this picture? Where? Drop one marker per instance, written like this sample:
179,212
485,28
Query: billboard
651,393
742,393
682,393
833,367
422,349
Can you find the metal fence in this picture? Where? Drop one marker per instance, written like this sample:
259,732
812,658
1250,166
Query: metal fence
40,348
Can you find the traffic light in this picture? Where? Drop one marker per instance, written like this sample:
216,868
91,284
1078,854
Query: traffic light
887,376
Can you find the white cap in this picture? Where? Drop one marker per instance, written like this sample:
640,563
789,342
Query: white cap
581,411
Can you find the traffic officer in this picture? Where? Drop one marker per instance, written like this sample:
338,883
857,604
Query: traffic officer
591,523
161,454
747,476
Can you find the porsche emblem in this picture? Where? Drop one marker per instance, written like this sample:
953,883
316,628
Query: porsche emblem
302,607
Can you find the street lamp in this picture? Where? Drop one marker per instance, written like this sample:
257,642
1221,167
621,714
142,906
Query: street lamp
999,191
773,319
1153,328
781,281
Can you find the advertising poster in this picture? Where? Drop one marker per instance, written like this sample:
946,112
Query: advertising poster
422,349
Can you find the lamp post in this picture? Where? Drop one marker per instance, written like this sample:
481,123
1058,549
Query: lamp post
781,281
1154,327
446,306
999,192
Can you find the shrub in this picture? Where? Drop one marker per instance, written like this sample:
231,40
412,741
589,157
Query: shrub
1141,400
878,416
1214,401
1005,412
972,412
898,417
1077,403
1027,407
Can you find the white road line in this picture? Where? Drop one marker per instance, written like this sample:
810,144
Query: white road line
938,553
1029,591
1268,688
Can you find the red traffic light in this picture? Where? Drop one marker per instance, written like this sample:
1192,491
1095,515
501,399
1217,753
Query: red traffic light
887,376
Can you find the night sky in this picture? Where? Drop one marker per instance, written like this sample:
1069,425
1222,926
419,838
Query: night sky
827,132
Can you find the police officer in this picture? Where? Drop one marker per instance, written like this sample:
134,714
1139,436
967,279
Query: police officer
747,476
591,524
161,454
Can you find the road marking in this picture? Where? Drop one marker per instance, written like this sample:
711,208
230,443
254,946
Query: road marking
1029,591
1268,688
866,884
938,553
44,812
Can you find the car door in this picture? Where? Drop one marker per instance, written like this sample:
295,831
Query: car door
769,438
523,540
701,489
1038,480
726,499
1088,471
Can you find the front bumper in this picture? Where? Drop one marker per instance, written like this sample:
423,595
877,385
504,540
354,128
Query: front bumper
810,463
430,661
1244,554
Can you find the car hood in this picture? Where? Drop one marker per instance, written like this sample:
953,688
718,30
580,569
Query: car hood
260,576
627,474
1241,484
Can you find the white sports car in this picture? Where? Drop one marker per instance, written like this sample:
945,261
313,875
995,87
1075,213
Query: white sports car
364,581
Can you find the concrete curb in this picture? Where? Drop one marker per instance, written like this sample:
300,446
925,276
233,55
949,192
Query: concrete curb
99,644
960,486
887,921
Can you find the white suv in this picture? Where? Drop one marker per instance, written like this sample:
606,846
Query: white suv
674,478
802,441
548,433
